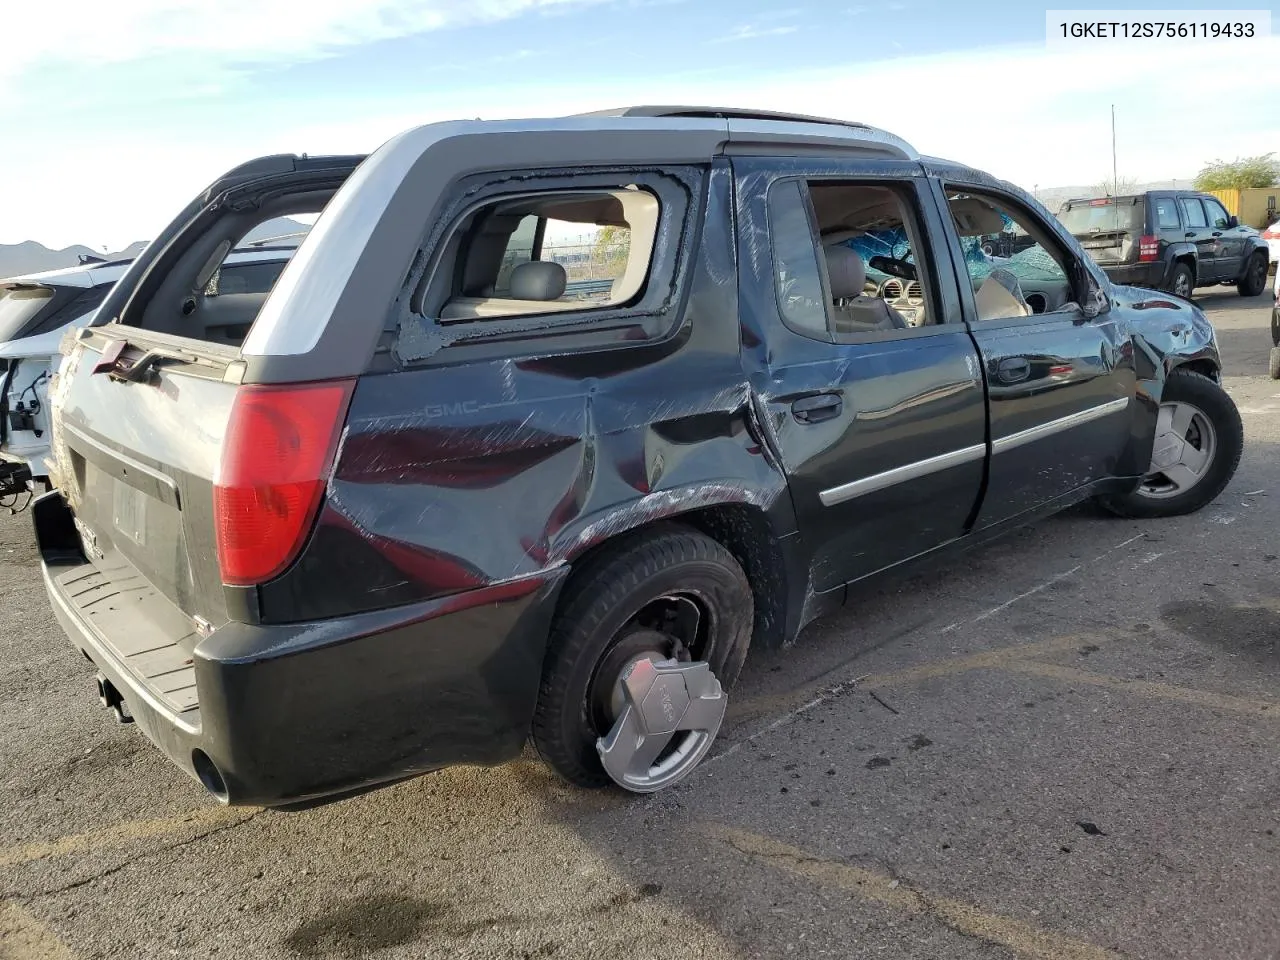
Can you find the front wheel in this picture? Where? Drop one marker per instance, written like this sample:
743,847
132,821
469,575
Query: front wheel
1199,439
646,639
1254,279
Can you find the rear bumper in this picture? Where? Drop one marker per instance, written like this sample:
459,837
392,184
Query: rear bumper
1137,274
291,713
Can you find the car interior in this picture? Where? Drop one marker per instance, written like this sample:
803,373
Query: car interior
1031,280
205,297
868,244
551,253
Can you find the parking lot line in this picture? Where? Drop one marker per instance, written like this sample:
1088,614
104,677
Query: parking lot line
23,937
123,833
987,659
1251,706
1023,939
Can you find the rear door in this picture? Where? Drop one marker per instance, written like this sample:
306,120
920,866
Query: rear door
1060,386
1198,232
867,377
139,421
1109,228
141,407
1166,221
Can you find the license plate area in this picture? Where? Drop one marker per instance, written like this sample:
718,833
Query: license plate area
129,512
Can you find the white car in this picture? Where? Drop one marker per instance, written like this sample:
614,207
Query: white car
38,309
1271,234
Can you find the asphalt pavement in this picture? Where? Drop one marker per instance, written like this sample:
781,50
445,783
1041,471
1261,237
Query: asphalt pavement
1060,746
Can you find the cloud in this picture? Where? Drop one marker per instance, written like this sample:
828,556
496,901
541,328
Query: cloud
753,32
237,32
1052,128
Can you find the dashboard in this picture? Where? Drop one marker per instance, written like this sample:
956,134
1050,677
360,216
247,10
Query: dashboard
905,296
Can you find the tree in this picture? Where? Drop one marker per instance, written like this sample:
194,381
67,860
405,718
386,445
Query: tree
1240,173
1115,188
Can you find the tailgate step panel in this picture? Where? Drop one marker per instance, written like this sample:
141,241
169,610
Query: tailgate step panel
151,637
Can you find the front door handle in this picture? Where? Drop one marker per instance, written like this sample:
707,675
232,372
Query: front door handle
1217,233
1013,369
815,409
1190,234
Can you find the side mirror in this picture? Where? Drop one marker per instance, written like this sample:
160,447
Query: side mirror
1233,221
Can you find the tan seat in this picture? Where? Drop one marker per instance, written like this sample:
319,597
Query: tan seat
854,311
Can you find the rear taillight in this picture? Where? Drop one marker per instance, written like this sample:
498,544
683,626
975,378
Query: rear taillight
276,458
1272,232
1148,248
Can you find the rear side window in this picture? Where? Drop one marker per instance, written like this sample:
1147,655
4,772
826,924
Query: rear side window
1166,214
1194,212
554,252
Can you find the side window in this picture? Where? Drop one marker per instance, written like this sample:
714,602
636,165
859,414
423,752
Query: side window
1218,216
552,252
846,264
1194,212
797,280
1015,263
1166,214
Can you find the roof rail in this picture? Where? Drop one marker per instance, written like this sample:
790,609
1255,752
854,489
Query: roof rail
724,113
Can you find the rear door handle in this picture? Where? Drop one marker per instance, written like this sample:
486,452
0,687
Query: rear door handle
1013,370
1190,234
815,409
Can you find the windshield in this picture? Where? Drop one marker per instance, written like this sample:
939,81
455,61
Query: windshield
1103,216
18,307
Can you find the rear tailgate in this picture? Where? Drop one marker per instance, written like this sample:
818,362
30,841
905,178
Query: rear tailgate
138,427
1110,230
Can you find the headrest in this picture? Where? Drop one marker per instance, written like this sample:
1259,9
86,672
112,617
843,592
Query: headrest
538,280
846,272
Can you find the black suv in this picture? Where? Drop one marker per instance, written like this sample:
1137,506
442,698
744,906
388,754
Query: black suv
548,421
1174,240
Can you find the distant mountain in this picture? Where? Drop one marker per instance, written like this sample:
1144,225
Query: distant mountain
17,259
31,257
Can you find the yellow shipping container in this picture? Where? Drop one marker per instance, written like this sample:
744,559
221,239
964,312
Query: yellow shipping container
1255,206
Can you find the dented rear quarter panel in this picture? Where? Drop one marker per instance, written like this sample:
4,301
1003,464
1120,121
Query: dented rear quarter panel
454,476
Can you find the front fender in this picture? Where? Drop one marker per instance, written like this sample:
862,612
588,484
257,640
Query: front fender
1170,331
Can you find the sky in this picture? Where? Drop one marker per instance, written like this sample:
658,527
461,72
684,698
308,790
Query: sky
115,113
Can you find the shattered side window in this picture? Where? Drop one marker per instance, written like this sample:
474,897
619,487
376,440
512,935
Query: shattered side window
1001,251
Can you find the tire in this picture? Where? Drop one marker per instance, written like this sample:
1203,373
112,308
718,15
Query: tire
601,604
1207,397
1254,279
1275,363
1183,282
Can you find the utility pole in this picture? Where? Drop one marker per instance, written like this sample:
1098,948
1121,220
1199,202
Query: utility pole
1115,174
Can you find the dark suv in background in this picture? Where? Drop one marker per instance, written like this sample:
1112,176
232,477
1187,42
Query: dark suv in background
1173,240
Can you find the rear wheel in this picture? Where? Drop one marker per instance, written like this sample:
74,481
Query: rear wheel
1183,281
640,653
1254,279
1199,438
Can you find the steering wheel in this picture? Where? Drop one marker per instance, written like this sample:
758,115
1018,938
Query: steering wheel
903,269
